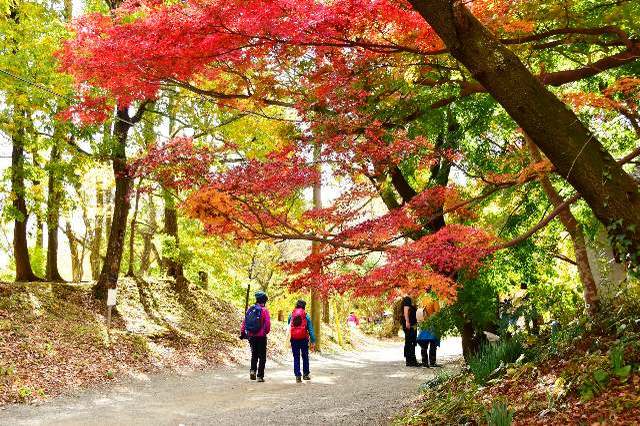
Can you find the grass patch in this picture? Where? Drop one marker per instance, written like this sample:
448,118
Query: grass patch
488,362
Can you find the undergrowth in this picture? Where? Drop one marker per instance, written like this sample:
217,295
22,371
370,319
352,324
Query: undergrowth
586,372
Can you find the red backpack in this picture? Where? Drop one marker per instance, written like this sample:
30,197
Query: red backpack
299,324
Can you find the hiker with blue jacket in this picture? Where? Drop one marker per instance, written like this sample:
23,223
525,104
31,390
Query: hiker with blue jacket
301,330
255,327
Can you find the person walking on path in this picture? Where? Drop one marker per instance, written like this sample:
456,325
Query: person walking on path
352,320
256,327
301,330
409,327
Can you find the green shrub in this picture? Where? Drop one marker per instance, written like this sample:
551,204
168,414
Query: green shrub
499,415
491,356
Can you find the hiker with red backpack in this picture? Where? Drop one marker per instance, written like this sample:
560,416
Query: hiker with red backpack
301,330
255,327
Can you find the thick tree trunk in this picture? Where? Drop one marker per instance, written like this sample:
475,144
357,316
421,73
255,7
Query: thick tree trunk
20,246
53,216
470,345
132,233
115,245
577,237
95,259
174,266
575,152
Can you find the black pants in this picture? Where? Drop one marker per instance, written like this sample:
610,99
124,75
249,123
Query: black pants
428,352
410,336
258,354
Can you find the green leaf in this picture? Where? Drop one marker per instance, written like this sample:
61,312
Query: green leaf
623,372
586,393
601,376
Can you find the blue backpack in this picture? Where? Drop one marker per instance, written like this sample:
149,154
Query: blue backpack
253,319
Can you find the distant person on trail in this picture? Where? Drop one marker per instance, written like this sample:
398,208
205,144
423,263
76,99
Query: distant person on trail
352,320
255,327
409,327
301,330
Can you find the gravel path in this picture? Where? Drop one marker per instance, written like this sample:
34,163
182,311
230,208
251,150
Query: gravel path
366,387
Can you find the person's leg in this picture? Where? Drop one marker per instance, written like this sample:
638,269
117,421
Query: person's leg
262,355
424,353
305,357
295,348
254,358
413,336
432,352
407,342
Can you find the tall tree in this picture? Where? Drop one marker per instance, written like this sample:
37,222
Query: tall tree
115,244
20,244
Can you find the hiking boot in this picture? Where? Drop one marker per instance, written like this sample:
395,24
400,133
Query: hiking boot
252,375
306,377
434,365
261,379
298,379
426,365
413,364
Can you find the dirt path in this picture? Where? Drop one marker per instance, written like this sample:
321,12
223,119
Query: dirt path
367,387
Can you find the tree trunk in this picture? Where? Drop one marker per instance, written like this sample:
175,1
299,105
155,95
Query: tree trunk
132,232
20,246
173,266
325,310
76,258
577,237
95,259
574,151
53,216
147,238
115,245
469,342
316,302
39,233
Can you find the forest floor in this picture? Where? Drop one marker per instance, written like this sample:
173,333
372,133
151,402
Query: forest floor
368,386
53,337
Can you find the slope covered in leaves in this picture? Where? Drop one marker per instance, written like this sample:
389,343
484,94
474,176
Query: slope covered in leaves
53,337
587,372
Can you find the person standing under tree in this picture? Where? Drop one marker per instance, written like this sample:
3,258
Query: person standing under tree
427,338
255,327
409,327
301,330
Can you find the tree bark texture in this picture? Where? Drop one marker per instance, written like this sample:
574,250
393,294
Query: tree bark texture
115,245
53,215
20,245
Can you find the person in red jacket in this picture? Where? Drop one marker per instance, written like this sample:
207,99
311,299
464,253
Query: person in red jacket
255,327
302,336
